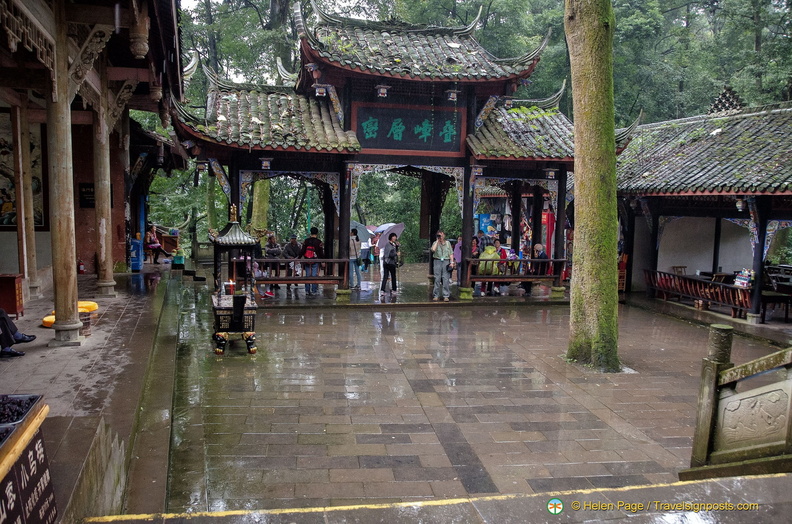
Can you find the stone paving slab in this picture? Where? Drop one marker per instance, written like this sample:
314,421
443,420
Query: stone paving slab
350,406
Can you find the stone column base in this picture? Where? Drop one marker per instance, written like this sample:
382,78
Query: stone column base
105,289
343,296
34,291
465,293
753,318
557,292
67,334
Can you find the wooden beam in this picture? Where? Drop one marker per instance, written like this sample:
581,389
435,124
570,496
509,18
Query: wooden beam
143,103
39,116
23,78
139,74
10,96
94,14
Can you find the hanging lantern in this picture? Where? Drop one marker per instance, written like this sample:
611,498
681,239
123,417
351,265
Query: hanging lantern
321,89
266,163
382,90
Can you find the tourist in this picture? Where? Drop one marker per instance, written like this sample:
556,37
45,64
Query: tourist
458,259
483,241
272,251
312,248
355,250
152,243
365,253
291,252
443,264
541,267
9,335
389,257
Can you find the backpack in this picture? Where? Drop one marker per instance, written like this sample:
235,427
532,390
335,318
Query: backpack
310,251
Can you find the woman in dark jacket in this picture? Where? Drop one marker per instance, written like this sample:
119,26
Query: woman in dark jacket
389,256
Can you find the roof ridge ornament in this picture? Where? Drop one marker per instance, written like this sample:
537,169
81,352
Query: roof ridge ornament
189,70
623,136
529,57
283,72
471,28
544,103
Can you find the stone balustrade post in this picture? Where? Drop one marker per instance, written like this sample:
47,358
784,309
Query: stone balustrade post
718,358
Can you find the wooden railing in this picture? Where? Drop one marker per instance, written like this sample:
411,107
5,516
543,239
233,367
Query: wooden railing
334,271
518,270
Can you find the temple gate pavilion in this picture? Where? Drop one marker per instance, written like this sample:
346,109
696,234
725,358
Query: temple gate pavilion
373,97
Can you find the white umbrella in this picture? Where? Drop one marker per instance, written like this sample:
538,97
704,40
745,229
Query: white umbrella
363,233
394,228
384,227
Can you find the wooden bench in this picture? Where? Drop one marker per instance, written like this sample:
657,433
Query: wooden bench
518,270
670,285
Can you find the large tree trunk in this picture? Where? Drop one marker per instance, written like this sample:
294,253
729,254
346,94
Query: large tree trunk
593,323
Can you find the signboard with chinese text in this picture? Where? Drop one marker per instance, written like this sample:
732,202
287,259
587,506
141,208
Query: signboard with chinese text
26,493
402,130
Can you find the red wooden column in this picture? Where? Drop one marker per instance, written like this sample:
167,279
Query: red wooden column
59,145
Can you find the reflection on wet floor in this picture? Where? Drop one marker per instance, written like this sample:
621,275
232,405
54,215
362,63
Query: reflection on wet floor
350,406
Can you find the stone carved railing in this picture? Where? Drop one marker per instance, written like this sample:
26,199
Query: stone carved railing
746,432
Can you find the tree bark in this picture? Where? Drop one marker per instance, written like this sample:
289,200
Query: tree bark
593,323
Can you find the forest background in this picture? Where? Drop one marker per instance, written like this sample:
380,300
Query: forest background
671,60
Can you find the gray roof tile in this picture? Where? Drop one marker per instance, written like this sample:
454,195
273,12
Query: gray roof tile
748,151
395,48
523,132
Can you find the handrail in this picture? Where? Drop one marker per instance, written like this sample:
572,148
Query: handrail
335,269
517,269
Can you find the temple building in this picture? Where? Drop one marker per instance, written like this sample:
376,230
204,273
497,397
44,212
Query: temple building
74,170
706,195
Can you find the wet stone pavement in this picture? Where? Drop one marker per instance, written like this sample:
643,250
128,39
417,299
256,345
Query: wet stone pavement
370,405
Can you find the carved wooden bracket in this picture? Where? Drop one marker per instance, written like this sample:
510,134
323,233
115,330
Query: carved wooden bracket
90,51
117,104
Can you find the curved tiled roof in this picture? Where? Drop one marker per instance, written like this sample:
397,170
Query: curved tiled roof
747,151
270,118
401,50
232,236
524,132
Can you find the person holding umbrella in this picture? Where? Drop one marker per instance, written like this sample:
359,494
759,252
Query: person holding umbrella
389,257
354,259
